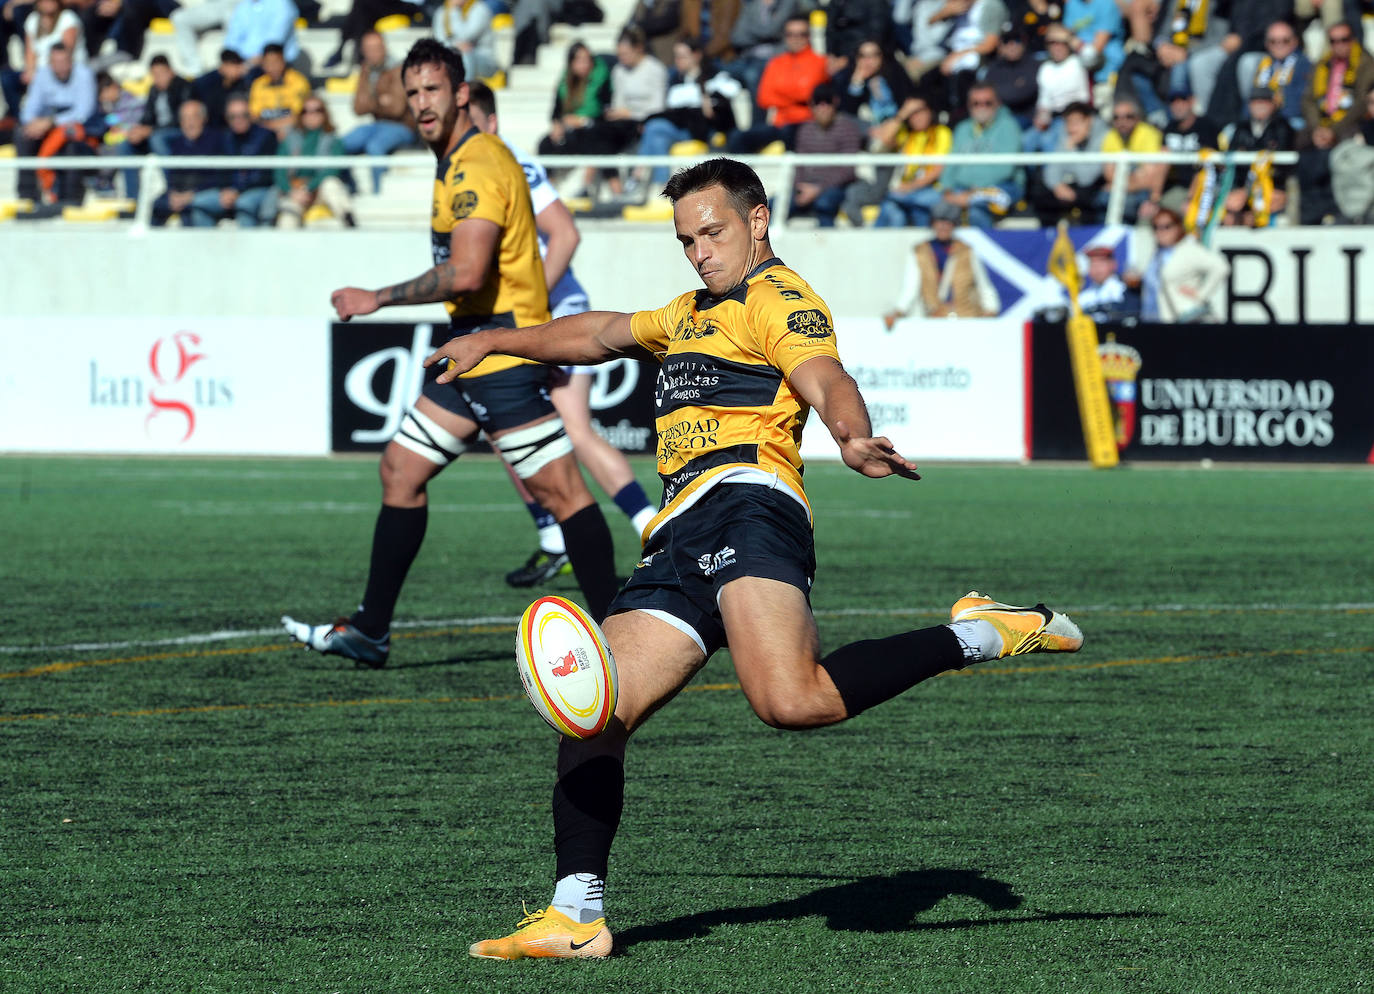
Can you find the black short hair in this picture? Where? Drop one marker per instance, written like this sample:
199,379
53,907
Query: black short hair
481,96
230,56
740,183
825,93
1080,107
429,52
274,49
156,60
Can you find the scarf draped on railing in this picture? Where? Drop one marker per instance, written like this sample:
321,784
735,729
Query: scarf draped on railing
1214,182
1260,189
1210,187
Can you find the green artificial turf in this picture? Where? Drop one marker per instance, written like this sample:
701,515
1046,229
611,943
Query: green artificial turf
190,804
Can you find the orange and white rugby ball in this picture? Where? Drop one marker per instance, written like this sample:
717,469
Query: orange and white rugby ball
566,667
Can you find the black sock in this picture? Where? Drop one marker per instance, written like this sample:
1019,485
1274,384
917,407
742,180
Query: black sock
876,670
592,554
395,543
586,812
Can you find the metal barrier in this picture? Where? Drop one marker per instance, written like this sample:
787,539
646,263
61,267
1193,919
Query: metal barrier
780,168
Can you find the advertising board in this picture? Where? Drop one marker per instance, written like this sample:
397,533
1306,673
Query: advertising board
1233,392
166,385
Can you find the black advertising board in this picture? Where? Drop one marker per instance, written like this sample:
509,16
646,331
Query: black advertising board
376,371
1280,393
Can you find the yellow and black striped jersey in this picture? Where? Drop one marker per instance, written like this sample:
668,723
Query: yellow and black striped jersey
480,178
724,406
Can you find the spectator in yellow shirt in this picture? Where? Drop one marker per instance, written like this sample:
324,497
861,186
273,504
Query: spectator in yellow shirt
917,189
1145,183
276,97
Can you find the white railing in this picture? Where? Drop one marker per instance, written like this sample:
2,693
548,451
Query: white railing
780,169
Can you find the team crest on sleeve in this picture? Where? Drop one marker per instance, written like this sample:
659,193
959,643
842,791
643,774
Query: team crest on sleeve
812,322
464,203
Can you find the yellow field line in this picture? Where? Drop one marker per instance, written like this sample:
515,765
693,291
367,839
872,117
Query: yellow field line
1065,667
282,706
981,670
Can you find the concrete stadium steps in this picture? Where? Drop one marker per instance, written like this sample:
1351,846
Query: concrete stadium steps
528,97
404,200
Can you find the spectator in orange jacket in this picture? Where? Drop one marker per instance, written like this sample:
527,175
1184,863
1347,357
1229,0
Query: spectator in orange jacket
785,90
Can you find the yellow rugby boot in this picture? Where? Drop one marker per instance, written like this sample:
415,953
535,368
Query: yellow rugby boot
1023,629
547,933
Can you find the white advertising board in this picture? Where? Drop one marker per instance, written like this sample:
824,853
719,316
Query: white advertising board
1321,275
164,385
939,389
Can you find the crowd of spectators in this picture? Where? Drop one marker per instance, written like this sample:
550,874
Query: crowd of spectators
933,77
261,99
928,77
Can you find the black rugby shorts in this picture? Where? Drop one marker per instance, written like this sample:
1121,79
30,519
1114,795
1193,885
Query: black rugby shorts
497,401
738,529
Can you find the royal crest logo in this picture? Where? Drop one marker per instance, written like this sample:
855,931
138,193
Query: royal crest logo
812,323
1120,366
464,203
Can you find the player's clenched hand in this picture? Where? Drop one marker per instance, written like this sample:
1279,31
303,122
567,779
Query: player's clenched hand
873,457
458,355
350,302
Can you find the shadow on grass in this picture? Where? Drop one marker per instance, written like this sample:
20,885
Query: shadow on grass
872,904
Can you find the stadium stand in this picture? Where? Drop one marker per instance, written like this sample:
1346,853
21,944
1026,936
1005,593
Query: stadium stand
526,89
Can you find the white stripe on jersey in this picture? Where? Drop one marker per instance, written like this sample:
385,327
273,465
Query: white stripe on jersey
542,194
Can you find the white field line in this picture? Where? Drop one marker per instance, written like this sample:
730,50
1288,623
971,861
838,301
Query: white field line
227,635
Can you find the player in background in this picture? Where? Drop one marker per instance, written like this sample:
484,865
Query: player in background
730,558
487,273
572,385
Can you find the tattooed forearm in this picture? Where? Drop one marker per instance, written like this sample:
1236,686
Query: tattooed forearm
429,287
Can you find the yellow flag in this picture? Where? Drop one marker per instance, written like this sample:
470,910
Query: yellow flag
1090,385
1064,265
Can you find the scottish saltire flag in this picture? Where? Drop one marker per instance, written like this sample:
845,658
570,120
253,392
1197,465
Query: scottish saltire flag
1018,261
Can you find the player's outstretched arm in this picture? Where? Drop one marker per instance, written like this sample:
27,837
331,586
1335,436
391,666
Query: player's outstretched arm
472,247
834,396
578,339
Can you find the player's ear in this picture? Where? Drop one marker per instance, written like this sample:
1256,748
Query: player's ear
758,222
